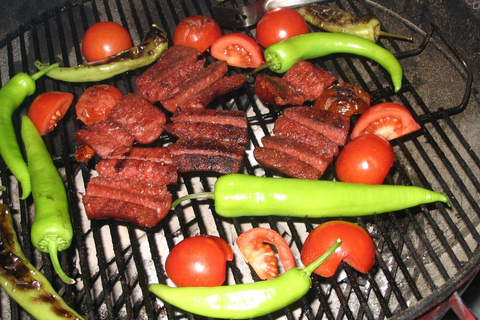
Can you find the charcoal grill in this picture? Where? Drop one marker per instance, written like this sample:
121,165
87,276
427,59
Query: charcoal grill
425,255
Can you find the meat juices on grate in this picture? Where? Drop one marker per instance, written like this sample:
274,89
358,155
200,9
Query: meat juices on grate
105,137
332,125
155,154
141,118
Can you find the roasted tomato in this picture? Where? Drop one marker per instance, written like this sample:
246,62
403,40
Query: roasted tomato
199,261
48,108
389,120
279,24
96,102
344,98
357,248
197,31
238,50
254,245
104,39
366,159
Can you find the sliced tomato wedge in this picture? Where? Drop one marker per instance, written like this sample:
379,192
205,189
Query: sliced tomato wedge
388,119
255,246
239,50
48,108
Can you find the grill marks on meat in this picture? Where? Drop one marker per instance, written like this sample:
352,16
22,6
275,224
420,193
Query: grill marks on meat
179,80
331,124
104,137
206,155
159,155
304,143
140,117
303,82
230,117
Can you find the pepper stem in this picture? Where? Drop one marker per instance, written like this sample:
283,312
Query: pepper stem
201,195
53,251
315,264
44,71
262,67
393,35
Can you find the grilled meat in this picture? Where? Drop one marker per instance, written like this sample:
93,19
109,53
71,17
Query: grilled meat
230,117
209,131
159,154
276,91
332,125
157,190
140,117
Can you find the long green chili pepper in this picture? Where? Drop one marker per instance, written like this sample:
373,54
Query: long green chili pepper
51,229
12,94
23,282
281,56
243,301
338,20
147,52
239,195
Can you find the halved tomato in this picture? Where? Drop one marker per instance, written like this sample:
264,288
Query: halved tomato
254,245
388,119
48,108
238,50
96,102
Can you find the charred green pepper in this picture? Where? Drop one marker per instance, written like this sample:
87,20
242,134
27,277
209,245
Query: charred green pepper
339,21
51,229
12,94
243,301
23,282
239,195
147,52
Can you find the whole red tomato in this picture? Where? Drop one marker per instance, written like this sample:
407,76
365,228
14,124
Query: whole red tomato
366,159
199,261
196,31
104,39
357,248
279,24
48,108
96,102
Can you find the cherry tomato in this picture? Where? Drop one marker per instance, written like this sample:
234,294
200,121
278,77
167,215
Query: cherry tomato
199,261
254,245
357,248
104,39
197,31
279,24
48,108
389,120
96,102
238,50
366,159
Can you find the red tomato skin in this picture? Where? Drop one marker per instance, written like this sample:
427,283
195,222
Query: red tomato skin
198,261
357,248
197,31
48,108
96,102
279,24
387,119
255,248
366,159
239,50
104,39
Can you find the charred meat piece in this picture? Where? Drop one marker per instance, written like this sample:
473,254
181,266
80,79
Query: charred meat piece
105,137
285,163
171,63
209,131
344,98
292,129
216,89
332,125
157,190
310,80
231,117
106,208
140,117
137,171
196,83
277,91
159,154
206,155
312,155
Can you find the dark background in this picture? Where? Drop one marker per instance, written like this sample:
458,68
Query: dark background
459,20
